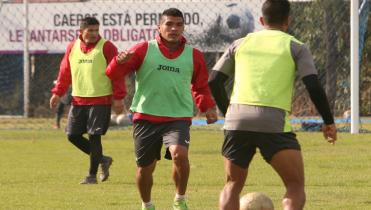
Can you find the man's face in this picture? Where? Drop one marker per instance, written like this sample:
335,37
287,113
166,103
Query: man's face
90,34
171,28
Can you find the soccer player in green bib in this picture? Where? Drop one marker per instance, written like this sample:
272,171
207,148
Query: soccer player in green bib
170,74
263,65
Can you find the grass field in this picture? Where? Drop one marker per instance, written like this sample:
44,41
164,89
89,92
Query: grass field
40,169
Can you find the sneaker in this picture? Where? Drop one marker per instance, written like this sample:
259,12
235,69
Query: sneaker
149,208
105,165
89,180
180,205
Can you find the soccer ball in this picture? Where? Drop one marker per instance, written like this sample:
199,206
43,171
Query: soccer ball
113,119
237,23
123,120
256,201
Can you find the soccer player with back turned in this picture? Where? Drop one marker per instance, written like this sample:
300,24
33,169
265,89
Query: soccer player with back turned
264,65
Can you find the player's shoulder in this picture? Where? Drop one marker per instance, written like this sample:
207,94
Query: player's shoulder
139,46
109,43
70,45
295,40
238,42
195,49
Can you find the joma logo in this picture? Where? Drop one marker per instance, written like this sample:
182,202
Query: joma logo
168,68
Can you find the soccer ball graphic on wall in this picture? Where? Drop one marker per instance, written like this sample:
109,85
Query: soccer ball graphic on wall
232,22
237,24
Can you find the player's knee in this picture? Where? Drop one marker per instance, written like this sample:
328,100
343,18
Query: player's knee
180,156
73,138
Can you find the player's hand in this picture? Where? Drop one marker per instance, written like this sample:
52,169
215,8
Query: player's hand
329,132
54,100
211,116
118,106
124,56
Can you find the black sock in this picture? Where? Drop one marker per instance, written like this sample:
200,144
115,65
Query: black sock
95,153
80,142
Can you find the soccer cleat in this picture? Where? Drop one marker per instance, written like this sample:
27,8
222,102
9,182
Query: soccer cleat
149,208
89,180
180,205
105,165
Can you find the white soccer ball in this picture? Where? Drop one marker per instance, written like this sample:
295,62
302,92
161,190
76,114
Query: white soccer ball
256,201
113,119
237,22
123,120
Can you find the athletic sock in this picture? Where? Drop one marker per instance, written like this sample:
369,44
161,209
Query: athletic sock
179,197
147,204
95,153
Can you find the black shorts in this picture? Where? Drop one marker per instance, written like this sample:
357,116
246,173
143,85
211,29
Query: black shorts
149,137
240,146
91,119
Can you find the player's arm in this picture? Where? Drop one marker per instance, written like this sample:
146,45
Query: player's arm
318,96
118,83
216,82
127,61
120,65
64,78
200,88
319,99
307,71
221,72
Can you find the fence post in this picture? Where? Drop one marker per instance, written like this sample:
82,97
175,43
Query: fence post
26,63
354,68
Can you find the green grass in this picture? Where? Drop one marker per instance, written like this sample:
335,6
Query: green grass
40,169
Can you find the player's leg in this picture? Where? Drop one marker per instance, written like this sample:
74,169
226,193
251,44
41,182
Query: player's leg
238,151
95,154
76,127
283,153
144,180
97,125
148,145
176,139
235,180
59,114
180,170
289,165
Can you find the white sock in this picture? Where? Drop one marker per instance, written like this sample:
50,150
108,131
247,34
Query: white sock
179,197
147,204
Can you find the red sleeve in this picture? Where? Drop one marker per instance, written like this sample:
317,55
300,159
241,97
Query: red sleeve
118,84
109,51
64,76
115,70
200,88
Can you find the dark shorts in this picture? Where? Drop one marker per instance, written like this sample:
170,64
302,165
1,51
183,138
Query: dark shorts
240,146
91,119
149,138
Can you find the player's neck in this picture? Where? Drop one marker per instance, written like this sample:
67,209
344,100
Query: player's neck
277,28
172,46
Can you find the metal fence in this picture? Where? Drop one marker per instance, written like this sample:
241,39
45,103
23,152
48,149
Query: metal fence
324,25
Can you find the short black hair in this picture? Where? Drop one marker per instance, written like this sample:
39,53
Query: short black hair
88,21
174,12
276,11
